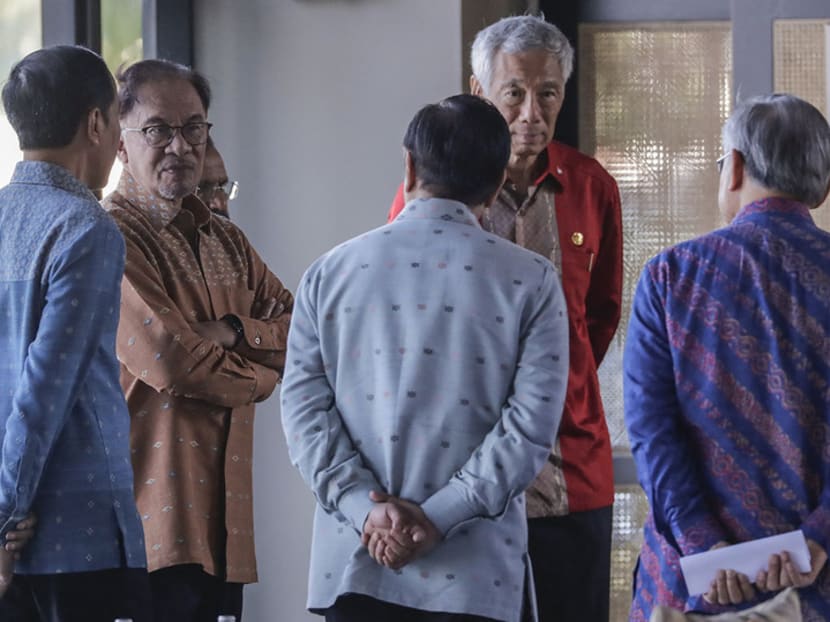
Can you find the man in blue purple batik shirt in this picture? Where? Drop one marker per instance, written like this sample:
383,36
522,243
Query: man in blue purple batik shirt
727,365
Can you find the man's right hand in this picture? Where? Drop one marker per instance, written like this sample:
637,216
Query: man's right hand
16,539
19,537
397,531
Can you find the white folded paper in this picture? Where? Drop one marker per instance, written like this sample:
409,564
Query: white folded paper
748,558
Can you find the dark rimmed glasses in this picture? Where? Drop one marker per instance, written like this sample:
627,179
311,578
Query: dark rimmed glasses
160,135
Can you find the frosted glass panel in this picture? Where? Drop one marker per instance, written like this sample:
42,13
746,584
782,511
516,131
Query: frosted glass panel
630,510
800,67
653,98
19,35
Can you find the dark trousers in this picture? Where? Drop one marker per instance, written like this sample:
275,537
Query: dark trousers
360,608
571,557
100,596
186,593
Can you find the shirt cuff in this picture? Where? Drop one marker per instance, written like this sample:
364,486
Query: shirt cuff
355,506
447,508
259,335
700,535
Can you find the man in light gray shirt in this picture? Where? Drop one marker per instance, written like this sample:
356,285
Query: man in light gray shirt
427,365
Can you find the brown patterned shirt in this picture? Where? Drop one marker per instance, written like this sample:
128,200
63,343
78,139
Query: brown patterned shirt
191,401
530,221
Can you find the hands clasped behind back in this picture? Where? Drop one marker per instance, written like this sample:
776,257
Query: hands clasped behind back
396,531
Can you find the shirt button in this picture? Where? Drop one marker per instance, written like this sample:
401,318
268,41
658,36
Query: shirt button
257,340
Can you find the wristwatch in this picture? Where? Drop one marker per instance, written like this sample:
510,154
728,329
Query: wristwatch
236,324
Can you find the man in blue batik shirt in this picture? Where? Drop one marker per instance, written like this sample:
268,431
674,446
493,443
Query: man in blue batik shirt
425,378
726,372
64,425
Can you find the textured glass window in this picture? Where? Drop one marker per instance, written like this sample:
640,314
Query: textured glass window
121,45
630,510
121,41
653,98
19,34
800,67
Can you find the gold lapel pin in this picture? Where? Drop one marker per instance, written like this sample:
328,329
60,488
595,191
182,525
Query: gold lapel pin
577,238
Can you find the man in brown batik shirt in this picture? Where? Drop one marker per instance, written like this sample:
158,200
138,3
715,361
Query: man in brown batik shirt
202,338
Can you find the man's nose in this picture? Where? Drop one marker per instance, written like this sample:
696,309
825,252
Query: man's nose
179,145
530,110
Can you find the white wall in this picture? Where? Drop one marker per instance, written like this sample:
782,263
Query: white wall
311,100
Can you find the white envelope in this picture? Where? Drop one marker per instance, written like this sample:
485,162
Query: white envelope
748,558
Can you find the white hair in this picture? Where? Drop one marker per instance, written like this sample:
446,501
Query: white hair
514,35
785,144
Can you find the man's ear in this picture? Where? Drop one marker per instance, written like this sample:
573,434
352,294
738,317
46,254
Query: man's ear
475,87
409,179
736,171
95,126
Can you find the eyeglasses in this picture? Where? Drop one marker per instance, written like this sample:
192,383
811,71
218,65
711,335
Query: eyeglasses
719,162
208,191
159,136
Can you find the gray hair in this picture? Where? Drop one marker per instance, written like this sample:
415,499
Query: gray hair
514,35
785,143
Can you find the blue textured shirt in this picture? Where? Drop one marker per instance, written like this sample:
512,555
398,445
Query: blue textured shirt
64,425
427,359
727,396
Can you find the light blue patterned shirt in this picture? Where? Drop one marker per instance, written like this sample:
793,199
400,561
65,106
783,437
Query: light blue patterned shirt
427,359
64,425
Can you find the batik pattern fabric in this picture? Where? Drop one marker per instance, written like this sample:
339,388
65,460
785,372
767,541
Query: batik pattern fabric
64,425
727,396
192,401
427,359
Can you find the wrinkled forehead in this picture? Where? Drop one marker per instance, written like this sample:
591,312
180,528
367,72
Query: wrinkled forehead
536,66
171,101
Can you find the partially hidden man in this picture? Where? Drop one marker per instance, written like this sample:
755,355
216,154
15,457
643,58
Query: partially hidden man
563,205
64,425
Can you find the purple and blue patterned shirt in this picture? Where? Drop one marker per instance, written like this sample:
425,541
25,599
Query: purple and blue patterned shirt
727,396
64,425
427,359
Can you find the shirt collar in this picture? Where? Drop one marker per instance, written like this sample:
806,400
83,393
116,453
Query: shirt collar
773,204
438,209
161,212
37,172
553,167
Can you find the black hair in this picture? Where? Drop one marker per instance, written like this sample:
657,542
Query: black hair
50,92
131,79
460,147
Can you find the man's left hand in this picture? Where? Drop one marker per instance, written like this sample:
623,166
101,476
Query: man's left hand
782,573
